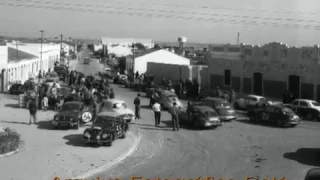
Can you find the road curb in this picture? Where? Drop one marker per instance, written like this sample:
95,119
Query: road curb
10,153
135,146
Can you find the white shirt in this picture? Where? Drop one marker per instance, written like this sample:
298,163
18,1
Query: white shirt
156,107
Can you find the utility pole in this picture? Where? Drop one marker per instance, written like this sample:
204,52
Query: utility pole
238,38
61,38
17,50
41,63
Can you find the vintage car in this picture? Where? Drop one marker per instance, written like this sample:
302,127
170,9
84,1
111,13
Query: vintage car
223,108
62,72
119,106
308,109
276,115
72,114
16,89
52,77
201,117
167,98
107,127
86,60
249,101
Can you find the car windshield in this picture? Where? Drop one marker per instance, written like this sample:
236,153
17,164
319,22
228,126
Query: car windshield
315,103
172,97
210,113
223,104
58,68
103,120
70,107
287,111
119,105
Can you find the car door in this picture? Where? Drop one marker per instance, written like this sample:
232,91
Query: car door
303,108
245,102
267,114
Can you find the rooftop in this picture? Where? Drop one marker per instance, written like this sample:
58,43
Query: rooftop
18,55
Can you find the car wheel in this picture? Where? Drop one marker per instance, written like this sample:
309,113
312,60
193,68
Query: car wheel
110,141
253,118
56,127
77,126
195,125
280,123
309,116
123,136
236,105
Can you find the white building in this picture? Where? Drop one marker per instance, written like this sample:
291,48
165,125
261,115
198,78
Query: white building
22,60
139,62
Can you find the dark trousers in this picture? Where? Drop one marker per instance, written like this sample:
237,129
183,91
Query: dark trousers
33,117
137,112
175,122
157,117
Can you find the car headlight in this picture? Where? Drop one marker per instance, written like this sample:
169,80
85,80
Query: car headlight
56,118
104,135
87,134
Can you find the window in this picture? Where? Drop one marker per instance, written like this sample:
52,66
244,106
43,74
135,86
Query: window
296,103
270,109
234,49
248,52
315,103
227,77
265,53
303,104
262,99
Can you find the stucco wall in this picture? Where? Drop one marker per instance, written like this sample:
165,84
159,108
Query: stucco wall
3,56
275,61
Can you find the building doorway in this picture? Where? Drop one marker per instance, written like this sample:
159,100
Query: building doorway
294,85
227,77
257,83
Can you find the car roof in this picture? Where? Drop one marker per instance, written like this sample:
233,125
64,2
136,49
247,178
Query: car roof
214,99
255,96
109,114
74,102
306,100
114,101
204,108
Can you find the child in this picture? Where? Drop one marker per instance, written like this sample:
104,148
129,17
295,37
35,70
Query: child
45,103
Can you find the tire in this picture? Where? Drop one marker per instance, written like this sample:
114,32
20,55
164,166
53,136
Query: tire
236,106
309,116
56,127
195,125
77,126
253,118
280,123
124,136
111,140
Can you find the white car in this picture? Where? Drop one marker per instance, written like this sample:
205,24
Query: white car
167,98
250,100
119,106
308,109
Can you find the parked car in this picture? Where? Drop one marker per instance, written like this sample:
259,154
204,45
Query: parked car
167,98
108,72
72,114
16,89
62,72
223,108
120,79
249,101
276,115
202,117
107,127
308,109
119,106
52,77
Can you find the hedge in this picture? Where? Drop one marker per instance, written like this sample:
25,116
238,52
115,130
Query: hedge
9,140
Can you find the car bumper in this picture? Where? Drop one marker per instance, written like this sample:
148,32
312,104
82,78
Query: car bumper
291,122
229,117
63,123
96,141
212,124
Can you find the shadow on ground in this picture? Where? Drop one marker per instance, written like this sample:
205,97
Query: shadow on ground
169,124
306,156
16,106
145,107
77,140
46,125
247,121
160,128
16,122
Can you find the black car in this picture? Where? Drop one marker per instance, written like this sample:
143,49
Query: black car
16,89
107,127
62,71
276,115
73,114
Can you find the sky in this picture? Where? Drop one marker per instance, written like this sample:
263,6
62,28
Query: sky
292,22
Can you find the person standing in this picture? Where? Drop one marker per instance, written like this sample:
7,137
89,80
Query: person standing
157,113
174,111
136,103
111,95
33,111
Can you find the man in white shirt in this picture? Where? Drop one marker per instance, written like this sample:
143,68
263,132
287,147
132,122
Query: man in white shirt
157,113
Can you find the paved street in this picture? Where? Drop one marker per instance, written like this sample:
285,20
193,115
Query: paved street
236,150
47,152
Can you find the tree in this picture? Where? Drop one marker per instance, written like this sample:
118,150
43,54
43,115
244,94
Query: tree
156,46
139,46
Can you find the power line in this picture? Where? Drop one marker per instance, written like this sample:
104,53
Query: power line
164,11
157,15
147,2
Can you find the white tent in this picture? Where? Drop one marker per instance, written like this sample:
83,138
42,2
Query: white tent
160,56
119,51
